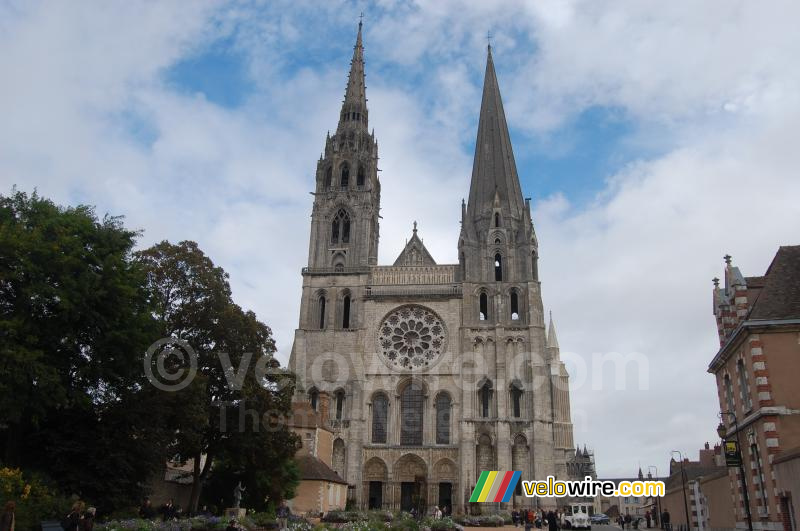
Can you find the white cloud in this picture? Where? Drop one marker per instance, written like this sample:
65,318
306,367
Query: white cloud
88,117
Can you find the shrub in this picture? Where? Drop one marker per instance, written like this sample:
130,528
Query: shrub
36,501
506,516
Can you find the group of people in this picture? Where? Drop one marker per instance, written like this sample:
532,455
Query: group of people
168,511
627,522
435,513
529,519
79,518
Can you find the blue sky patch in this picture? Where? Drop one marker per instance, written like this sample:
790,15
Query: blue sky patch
219,72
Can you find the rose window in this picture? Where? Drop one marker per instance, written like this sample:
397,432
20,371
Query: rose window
411,338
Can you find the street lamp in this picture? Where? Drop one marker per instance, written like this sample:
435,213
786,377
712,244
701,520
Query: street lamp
722,431
683,480
658,500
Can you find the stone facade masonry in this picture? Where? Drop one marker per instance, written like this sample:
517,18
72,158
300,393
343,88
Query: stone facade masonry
435,372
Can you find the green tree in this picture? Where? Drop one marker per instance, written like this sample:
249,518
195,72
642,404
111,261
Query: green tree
74,322
192,302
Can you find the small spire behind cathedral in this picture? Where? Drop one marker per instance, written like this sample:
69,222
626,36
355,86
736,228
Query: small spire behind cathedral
415,227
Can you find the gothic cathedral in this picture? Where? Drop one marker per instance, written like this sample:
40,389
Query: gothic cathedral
428,373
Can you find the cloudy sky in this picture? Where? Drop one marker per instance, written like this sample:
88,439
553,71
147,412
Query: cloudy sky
654,137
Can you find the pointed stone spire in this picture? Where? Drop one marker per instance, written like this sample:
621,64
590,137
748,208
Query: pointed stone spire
354,106
494,171
552,340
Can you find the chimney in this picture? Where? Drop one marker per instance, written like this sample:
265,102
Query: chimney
324,407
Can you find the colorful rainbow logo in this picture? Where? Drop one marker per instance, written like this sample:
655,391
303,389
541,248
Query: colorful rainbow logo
494,486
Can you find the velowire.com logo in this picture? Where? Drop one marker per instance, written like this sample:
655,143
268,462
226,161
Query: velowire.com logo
495,486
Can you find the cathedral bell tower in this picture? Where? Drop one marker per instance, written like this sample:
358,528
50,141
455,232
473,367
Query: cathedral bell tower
497,248
344,220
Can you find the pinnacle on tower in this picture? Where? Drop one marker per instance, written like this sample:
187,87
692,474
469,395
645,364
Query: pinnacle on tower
494,171
552,340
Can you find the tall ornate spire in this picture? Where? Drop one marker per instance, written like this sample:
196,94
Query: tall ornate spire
354,106
494,171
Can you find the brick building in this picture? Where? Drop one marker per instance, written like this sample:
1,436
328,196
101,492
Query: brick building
757,369
707,492
321,488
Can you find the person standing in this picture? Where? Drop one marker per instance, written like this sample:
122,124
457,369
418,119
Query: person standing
8,519
146,511
552,521
87,522
168,511
73,519
283,516
665,520
647,519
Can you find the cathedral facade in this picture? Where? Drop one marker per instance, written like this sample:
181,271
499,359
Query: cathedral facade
428,373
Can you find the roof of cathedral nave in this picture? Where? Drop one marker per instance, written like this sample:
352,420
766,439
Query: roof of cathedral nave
414,253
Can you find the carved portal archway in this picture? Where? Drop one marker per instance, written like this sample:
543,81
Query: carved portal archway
376,484
410,483
444,484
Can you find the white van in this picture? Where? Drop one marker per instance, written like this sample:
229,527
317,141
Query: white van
576,516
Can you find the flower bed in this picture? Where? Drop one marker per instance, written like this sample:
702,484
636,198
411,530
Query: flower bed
342,517
188,524
491,520
255,522
384,520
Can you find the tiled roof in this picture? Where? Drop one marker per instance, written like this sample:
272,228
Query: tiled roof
780,296
755,282
693,471
312,468
303,416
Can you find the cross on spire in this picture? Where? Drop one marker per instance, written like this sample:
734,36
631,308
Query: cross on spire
489,39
